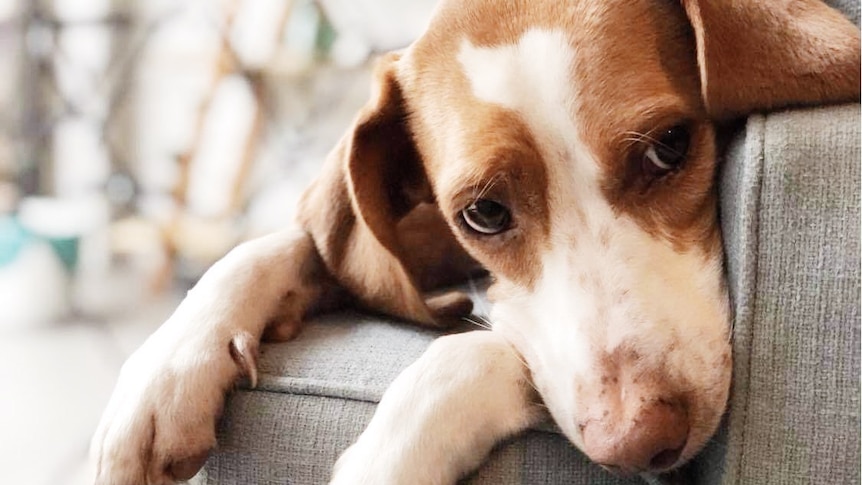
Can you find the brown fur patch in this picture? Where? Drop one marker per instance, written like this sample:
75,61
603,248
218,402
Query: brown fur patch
371,182
764,55
649,89
503,165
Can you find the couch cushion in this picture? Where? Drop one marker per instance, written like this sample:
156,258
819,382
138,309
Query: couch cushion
790,200
850,8
316,394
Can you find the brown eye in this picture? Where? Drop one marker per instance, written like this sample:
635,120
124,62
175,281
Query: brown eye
487,217
668,152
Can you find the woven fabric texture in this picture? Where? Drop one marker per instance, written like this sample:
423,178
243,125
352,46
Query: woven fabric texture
791,211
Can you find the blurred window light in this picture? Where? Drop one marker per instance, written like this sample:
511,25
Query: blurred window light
9,10
227,128
81,10
81,163
39,39
81,63
256,31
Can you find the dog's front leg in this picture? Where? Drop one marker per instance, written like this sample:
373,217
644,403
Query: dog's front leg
442,416
160,422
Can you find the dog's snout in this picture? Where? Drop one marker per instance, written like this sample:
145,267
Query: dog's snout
652,440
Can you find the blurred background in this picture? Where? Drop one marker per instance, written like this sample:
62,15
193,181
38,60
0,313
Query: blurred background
139,141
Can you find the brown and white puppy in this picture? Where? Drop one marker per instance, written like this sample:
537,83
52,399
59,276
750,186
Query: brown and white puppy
568,148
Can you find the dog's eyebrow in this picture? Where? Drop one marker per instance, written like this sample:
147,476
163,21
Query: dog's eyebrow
485,187
476,177
489,184
656,115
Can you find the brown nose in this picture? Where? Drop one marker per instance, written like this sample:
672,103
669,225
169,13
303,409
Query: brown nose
653,440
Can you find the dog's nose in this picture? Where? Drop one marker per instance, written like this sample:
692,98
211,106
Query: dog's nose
651,441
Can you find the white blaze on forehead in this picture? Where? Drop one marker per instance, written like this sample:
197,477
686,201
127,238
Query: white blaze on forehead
518,75
532,77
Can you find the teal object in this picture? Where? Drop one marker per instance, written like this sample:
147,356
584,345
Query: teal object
66,248
13,237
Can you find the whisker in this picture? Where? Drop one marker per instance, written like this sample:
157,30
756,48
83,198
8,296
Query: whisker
483,322
638,137
540,404
478,323
525,372
488,186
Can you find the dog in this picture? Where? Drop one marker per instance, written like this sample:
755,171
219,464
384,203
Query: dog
568,149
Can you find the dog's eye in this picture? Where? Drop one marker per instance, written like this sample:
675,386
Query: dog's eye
668,152
487,217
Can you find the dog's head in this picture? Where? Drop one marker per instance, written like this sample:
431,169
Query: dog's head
569,148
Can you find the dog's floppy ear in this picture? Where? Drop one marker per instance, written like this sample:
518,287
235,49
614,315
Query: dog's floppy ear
372,217
757,55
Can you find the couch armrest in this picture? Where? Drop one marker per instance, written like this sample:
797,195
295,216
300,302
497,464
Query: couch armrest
790,207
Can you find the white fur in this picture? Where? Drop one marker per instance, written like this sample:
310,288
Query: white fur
592,296
563,328
442,415
170,390
531,77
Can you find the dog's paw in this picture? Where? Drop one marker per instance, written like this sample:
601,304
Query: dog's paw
159,426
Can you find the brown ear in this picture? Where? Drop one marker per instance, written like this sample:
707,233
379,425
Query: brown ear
760,55
372,217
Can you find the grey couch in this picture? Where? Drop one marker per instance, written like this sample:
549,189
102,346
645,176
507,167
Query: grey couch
790,207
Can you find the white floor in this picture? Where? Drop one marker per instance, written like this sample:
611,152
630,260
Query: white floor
54,383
